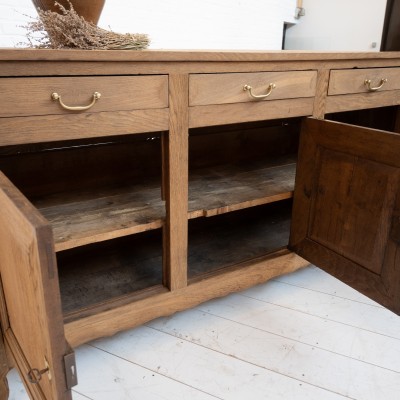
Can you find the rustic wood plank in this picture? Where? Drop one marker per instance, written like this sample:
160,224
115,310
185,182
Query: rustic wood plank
227,188
177,187
104,376
247,112
336,373
22,130
317,280
348,328
361,101
82,219
105,215
103,68
189,55
208,370
370,319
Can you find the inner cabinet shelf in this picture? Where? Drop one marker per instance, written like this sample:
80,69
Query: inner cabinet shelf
94,191
239,179
232,239
191,176
240,166
99,273
227,188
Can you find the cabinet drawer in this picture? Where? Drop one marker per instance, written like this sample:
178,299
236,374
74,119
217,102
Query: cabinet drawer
229,88
354,80
33,96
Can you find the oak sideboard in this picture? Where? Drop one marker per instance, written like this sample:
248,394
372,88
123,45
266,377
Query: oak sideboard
137,184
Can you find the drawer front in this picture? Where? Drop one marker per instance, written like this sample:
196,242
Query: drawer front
33,96
353,80
228,88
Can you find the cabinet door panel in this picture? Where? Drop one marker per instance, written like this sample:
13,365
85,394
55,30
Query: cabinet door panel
34,328
346,210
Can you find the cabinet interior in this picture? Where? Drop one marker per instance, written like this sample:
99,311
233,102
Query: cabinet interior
383,118
103,200
241,181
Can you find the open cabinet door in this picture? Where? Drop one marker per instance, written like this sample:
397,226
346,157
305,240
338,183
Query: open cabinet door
346,210
33,325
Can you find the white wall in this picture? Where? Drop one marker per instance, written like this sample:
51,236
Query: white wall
178,24
338,25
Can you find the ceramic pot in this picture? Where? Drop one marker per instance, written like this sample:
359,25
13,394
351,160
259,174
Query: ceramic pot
90,10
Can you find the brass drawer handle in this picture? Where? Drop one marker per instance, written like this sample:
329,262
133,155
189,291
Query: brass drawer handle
248,88
368,82
56,96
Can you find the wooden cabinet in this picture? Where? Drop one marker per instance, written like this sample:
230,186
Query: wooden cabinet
179,184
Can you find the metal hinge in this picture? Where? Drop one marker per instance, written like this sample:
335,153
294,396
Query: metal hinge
70,370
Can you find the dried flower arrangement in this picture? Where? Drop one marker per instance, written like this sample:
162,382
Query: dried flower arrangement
52,30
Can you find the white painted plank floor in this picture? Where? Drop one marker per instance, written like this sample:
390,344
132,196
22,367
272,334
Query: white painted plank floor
301,336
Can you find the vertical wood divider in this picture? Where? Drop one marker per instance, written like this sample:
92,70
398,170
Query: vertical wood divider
320,93
175,146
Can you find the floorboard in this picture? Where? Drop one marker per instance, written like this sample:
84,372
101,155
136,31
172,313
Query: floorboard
301,336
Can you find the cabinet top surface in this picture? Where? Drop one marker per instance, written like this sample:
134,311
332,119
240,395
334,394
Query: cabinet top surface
9,54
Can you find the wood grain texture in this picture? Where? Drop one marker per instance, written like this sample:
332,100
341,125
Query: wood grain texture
112,321
33,300
20,130
177,184
247,112
188,55
360,101
207,89
106,216
352,81
40,68
227,188
335,200
320,93
123,93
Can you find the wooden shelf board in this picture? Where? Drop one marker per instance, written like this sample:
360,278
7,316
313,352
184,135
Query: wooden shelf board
222,189
82,218
105,215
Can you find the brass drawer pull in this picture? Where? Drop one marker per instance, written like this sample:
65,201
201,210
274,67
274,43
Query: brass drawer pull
248,88
368,82
56,96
